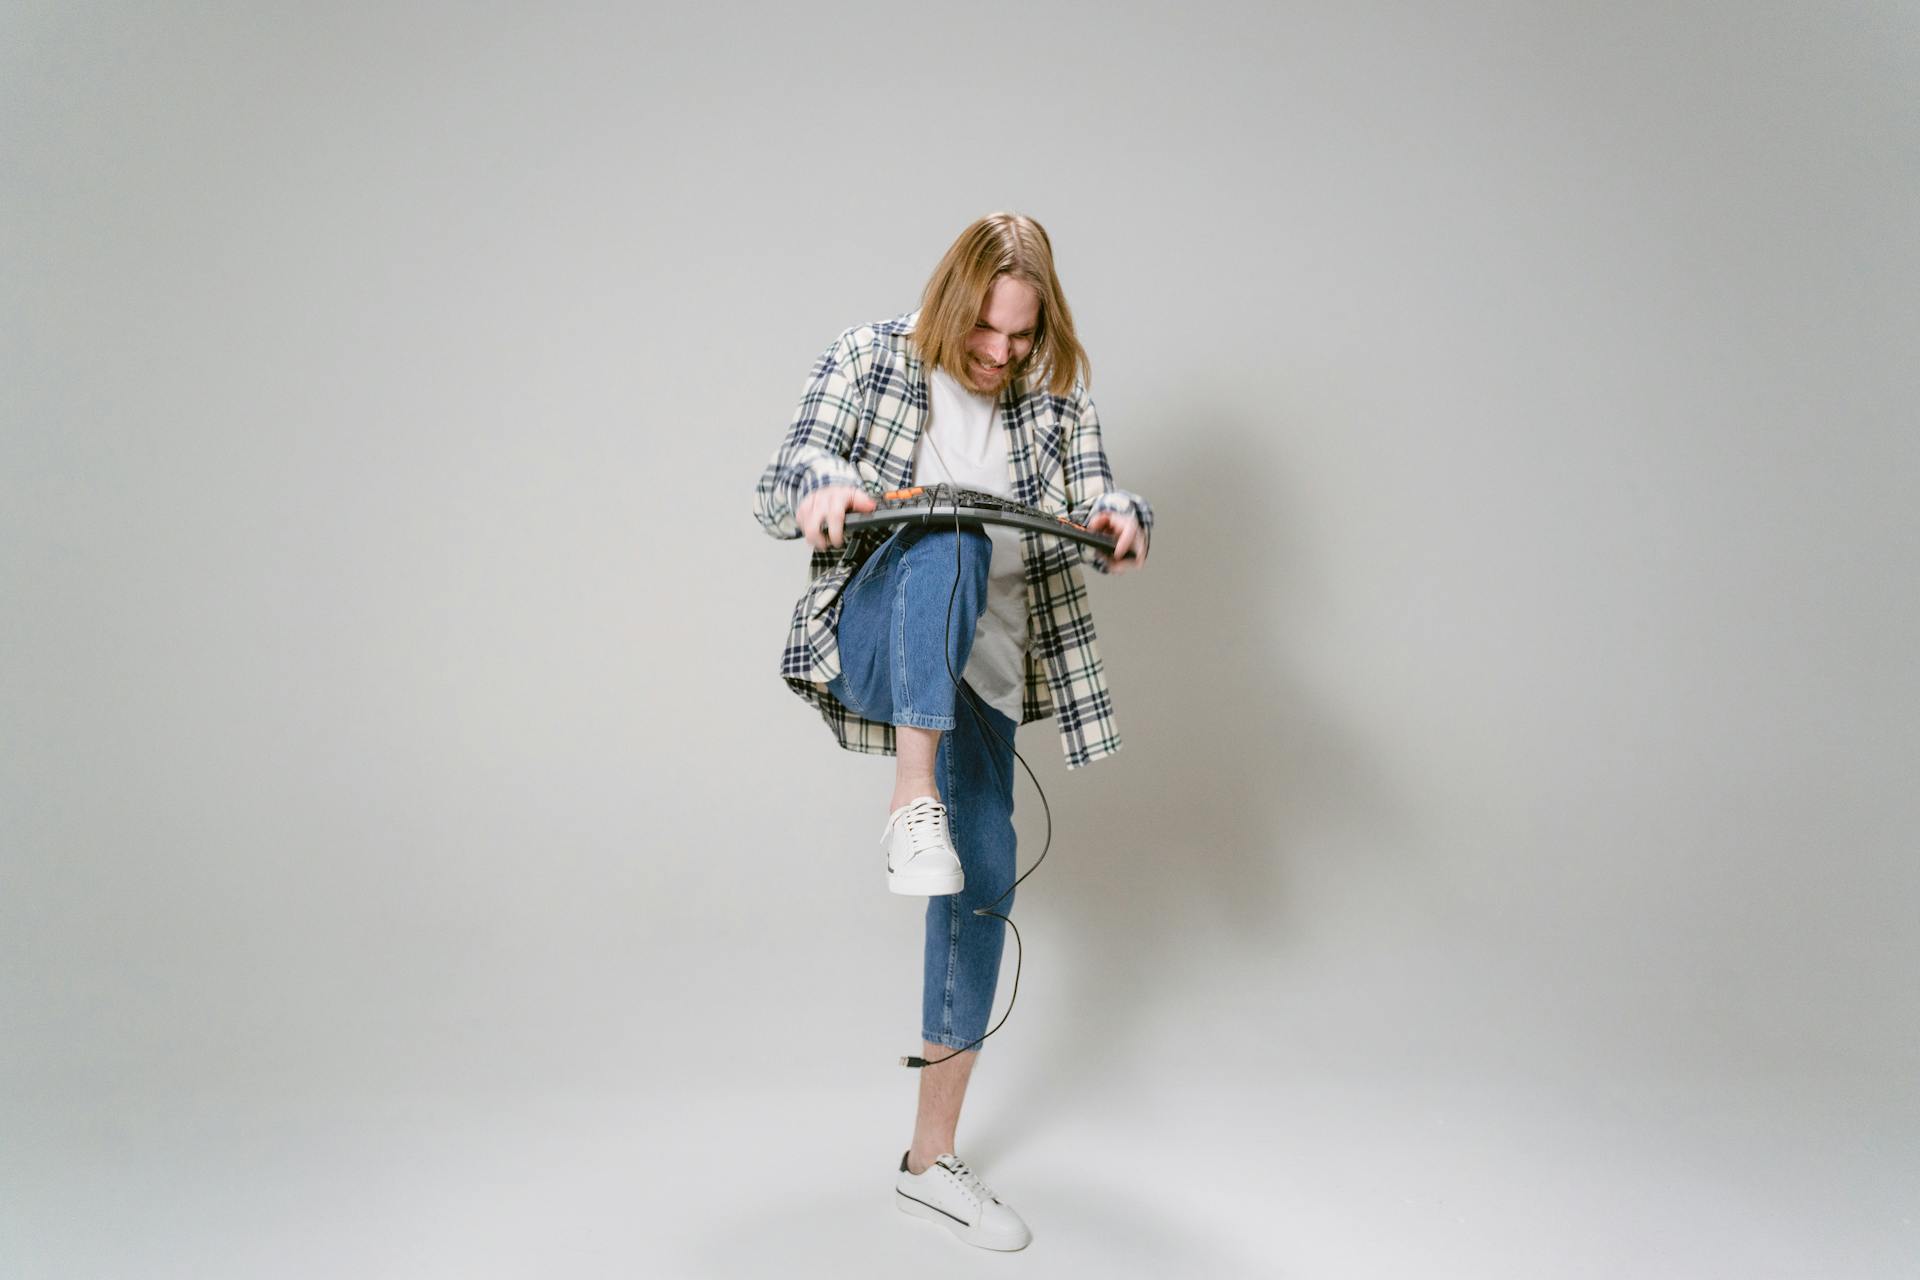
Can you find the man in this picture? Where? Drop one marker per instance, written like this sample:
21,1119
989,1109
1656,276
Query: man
983,387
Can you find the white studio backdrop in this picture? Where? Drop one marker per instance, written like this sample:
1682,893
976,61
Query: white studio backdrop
411,863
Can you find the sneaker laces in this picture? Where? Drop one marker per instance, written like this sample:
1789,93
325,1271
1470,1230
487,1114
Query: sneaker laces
968,1179
926,824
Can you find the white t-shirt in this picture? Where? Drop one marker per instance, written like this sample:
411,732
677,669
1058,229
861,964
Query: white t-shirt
964,427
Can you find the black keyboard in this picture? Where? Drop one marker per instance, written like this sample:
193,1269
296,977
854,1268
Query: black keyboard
945,504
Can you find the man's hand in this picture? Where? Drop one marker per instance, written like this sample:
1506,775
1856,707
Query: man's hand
823,514
1127,537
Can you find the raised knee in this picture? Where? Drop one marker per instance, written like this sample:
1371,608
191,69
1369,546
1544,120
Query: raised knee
975,549
969,534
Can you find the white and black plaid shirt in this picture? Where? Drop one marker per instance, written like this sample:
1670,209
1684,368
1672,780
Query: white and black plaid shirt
858,421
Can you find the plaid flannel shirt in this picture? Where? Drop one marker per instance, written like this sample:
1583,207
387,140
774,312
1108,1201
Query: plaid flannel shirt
860,416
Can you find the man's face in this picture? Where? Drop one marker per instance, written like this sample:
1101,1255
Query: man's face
1003,334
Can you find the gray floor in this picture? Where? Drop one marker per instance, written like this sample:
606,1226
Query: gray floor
1350,1149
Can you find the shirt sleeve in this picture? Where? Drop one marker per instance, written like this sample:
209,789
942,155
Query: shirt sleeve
1090,487
813,454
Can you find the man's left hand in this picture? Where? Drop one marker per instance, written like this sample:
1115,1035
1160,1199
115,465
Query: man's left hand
1127,539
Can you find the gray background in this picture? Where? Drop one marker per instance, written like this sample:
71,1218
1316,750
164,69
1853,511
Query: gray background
414,867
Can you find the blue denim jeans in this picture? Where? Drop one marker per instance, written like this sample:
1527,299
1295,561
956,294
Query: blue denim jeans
893,619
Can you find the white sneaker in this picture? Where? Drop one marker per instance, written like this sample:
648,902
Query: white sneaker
952,1195
920,857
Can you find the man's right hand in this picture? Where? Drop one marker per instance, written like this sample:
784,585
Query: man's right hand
823,514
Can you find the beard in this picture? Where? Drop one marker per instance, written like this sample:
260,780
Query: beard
995,380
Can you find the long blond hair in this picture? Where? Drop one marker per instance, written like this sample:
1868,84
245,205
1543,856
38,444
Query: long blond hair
1000,244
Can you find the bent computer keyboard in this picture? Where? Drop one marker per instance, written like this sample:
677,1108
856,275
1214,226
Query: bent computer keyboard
944,504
